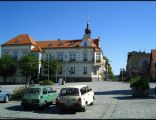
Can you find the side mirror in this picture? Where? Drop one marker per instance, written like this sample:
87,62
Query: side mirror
90,89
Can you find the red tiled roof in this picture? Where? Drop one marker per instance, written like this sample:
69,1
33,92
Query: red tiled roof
59,43
25,39
22,39
153,53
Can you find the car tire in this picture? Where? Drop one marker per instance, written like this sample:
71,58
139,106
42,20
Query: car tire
85,107
45,105
6,99
53,102
92,103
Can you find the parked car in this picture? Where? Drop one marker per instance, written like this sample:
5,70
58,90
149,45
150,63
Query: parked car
76,96
38,96
5,95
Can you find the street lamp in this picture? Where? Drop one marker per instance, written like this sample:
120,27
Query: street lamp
56,69
66,68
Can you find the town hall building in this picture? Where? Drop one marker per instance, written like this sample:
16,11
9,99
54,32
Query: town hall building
81,59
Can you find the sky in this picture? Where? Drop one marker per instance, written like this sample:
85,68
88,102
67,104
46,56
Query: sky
123,26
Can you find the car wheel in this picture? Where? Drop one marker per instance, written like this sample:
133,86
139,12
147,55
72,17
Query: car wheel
6,99
45,104
85,107
53,102
92,103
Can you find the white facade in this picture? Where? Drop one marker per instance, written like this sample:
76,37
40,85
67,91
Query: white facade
80,63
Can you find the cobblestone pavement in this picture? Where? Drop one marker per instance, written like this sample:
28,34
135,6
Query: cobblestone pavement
112,100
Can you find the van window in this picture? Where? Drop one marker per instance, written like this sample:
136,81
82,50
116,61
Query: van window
50,90
87,89
69,91
33,91
83,90
44,91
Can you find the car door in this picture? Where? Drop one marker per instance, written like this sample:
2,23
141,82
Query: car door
51,94
54,94
45,94
84,96
89,95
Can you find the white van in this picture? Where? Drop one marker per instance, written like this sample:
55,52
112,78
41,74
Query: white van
76,96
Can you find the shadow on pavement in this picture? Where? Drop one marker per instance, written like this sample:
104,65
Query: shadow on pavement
15,108
133,98
49,110
54,110
113,92
120,92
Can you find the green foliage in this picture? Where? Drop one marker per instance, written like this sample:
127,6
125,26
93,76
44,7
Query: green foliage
18,93
139,82
7,66
53,66
109,68
46,82
28,65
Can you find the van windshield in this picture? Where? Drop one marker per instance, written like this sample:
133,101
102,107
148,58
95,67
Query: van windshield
33,90
69,91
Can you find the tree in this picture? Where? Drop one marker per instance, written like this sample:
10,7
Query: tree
7,66
109,68
53,66
28,65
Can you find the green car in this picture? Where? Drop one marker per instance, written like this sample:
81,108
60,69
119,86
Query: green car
38,96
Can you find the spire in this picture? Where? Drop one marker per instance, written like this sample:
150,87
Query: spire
87,30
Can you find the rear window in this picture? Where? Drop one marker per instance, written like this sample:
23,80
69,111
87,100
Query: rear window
69,91
33,91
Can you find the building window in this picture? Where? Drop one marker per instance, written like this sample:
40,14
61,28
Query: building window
60,70
6,52
94,71
85,70
72,70
25,53
72,57
15,55
98,57
84,44
60,56
85,56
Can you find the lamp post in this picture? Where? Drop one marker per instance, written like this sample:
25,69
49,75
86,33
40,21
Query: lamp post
56,69
66,67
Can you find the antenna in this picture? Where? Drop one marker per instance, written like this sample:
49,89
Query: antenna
88,18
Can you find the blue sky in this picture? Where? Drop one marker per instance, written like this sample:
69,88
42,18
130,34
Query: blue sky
123,26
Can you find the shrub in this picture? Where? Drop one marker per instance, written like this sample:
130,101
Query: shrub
18,93
139,82
46,82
